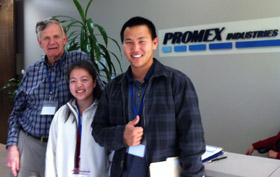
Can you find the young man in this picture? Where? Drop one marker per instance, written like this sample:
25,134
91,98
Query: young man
44,88
150,112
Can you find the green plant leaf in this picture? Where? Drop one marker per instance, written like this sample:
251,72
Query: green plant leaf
83,39
64,16
103,33
117,44
10,88
80,10
106,55
73,46
72,36
88,5
90,26
85,35
106,71
118,60
93,41
68,27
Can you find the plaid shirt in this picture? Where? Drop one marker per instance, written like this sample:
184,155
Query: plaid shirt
172,122
34,90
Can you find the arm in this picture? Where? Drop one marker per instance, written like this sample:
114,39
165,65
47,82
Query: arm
13,155
107,128
17,113
269,142
189,127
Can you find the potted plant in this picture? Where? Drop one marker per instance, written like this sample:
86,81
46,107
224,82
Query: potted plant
11,87
85,35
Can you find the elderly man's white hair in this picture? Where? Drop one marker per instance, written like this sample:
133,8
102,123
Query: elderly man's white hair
41,25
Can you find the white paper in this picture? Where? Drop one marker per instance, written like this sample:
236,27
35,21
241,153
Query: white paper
137,150
210,151
169,168
48,110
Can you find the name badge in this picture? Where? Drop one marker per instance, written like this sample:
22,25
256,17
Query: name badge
138,150
49,108
81,173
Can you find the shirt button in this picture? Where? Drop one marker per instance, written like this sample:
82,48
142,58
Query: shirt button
138,94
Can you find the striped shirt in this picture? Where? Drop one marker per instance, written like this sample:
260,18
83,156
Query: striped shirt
35,89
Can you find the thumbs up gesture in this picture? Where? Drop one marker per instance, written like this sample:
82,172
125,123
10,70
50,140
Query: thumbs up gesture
132,134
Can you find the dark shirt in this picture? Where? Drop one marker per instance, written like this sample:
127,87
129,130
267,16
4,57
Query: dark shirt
172,121
136,166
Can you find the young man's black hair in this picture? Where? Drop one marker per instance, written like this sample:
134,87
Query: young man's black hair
137,21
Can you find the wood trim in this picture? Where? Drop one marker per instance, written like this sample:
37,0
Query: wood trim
7,61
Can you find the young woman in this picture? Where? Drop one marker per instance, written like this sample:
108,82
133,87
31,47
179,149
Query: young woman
71,149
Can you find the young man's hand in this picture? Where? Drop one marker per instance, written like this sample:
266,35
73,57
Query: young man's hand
132,134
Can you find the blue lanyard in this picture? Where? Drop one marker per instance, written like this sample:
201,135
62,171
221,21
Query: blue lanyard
134,107
49,78
80,121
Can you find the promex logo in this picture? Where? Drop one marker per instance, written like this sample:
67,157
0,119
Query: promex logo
260,35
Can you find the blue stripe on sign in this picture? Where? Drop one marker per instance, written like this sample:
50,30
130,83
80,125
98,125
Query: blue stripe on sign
218,46
180,48
167,49
197,47
266,43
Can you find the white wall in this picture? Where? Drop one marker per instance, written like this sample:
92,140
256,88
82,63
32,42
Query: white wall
239,93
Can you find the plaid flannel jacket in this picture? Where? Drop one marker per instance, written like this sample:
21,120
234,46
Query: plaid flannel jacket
172,122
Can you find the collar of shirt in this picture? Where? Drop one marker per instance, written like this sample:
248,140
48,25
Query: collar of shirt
56,63
147,77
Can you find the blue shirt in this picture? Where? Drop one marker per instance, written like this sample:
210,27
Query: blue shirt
34,89
137,166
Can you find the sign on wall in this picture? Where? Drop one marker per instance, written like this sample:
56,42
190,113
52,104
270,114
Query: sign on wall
250,36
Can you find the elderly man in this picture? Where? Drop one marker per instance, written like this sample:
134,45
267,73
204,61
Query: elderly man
43,89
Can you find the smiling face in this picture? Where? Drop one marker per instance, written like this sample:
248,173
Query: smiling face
52,41
139,46
81,85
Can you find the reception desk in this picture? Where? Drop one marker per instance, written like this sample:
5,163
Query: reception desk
239,165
